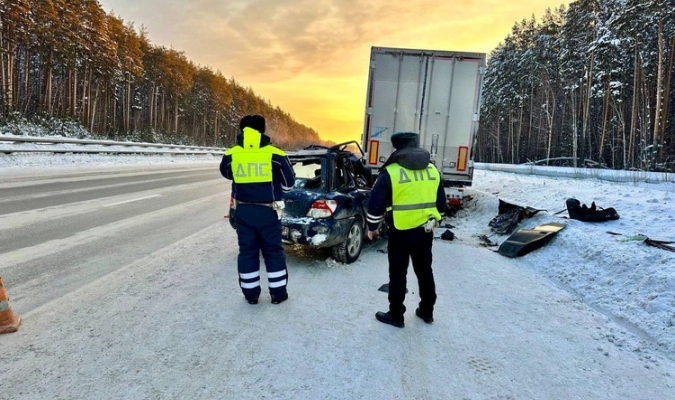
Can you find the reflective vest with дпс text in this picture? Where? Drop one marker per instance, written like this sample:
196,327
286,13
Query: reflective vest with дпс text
250,162
414,194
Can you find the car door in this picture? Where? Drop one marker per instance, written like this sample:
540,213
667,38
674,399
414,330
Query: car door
356,189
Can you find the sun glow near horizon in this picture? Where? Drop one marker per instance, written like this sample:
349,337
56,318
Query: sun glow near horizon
311,58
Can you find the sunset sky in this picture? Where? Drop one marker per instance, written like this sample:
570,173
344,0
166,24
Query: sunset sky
310,57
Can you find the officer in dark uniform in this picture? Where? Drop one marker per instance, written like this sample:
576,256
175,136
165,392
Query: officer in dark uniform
261,173
409,196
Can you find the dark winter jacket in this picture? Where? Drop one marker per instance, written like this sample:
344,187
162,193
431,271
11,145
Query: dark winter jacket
381,196
283,177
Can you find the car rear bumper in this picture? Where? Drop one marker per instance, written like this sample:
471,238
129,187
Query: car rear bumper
318,233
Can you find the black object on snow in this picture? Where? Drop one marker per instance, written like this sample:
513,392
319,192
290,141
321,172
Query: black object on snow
527,240
385,288
663,245
510,216
660,244
448,235
593,213
485,240
448,226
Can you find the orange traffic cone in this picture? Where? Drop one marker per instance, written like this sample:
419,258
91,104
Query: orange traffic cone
8,321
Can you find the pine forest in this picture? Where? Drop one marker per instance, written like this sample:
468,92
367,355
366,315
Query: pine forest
589,84
68,60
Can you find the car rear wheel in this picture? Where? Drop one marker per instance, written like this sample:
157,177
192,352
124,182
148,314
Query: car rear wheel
348,251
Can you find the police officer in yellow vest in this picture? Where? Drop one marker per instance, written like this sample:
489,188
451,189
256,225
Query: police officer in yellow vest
409,197
261,173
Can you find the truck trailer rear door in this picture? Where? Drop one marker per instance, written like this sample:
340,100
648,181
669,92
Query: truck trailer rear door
434,93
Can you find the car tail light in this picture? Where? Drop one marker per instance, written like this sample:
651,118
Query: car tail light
322,209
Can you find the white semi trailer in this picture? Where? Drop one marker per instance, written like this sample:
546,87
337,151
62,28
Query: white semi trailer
434,93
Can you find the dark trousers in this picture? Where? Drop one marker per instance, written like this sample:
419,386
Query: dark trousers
259,229
403,246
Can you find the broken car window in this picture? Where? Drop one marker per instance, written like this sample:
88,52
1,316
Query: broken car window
344,175
307,174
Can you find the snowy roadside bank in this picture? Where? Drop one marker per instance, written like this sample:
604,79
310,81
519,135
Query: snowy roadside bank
581,173
628,280
21,161
32,158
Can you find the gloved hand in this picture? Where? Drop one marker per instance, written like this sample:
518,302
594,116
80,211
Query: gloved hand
279,206
431,225
233,223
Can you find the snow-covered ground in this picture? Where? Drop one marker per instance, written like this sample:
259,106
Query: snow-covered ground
25,160
626,279
589,316
582,173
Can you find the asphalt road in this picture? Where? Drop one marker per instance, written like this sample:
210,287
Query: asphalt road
62,230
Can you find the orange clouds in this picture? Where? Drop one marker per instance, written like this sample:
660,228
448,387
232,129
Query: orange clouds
310,57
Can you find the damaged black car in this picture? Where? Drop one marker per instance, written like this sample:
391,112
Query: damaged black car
327,206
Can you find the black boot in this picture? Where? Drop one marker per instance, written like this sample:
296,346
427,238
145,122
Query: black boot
388,319
252,300
280,298
428,318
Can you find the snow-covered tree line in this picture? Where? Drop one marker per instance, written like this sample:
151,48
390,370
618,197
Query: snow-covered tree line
70,60
592,81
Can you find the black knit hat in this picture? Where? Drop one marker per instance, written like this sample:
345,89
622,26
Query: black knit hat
256,122
402,140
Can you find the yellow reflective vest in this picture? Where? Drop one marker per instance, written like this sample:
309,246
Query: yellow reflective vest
250,162
414,194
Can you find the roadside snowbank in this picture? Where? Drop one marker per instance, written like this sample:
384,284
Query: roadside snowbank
47,159
581,173
30,160
628,280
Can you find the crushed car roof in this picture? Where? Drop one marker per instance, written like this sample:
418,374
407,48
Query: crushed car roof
316,150
304,153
